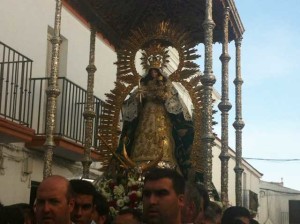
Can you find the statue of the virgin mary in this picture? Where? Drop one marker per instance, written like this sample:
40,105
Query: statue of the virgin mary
157,124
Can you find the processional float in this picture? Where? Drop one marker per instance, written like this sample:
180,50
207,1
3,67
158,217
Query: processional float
191,16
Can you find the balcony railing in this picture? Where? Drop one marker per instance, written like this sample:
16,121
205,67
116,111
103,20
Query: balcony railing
23,99
70,107
15,95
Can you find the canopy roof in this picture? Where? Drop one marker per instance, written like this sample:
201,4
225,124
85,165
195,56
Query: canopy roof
114,19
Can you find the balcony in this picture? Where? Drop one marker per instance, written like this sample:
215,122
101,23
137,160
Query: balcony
23,112
15,73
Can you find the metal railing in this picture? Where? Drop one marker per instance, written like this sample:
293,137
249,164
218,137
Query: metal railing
70,107
23,99
15,95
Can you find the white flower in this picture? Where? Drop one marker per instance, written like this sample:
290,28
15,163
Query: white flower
113,211
120,203
126,199
119,190
106,194
140,206
139,194
120,194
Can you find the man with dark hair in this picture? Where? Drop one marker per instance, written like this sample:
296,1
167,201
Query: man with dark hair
163,196
192,203
213,213
11,214
253,221
27,211
84,201
101,211
196,201
235,214
204,202
54,201
128,216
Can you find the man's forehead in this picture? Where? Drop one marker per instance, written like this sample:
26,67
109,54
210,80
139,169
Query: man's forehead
51,190
84,198
163,183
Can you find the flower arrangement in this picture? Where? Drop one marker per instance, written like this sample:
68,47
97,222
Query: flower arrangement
121,194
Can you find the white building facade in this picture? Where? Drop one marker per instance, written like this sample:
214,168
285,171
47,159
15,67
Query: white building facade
278,204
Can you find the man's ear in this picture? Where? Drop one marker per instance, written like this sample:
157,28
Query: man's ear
71,204
181,200
192,207
103,218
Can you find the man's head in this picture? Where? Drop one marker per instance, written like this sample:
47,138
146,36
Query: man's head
204,202
11,214
27,211
84,201
236,213
253,221
196,200
213,213
101,211
192,203
128,216
54,201
163,196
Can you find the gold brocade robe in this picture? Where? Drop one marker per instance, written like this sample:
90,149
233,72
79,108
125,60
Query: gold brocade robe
154,131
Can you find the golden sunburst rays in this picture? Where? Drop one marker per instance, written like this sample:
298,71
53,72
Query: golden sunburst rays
109,130
196,93
187,73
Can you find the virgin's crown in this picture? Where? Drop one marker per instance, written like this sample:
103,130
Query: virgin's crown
155,61
154,56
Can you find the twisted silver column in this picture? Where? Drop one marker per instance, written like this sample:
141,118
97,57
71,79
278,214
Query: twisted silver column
224,107
52,93
208,80
89,113
238,124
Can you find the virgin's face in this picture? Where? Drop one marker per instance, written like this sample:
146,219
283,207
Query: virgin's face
154,73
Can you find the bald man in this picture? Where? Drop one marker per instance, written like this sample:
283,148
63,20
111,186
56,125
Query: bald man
54,201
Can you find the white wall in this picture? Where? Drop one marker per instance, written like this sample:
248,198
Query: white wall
24,26
15,184
274,202
252,175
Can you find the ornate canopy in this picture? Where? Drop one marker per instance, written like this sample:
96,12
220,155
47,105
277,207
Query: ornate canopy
115,18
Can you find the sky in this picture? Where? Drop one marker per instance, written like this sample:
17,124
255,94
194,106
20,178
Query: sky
270,62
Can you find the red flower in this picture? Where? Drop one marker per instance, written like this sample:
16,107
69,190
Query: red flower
134,187
112,203
112,185
133,197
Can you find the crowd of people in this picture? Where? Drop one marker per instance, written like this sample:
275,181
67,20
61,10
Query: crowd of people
167,199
